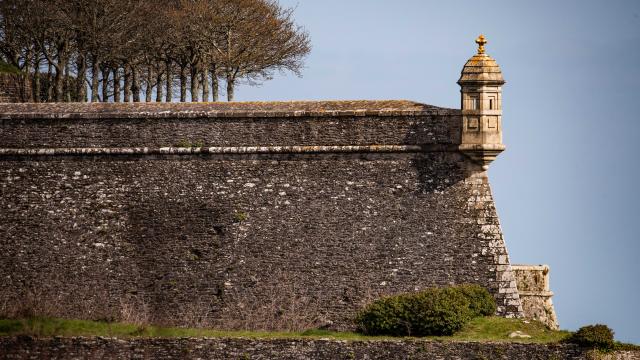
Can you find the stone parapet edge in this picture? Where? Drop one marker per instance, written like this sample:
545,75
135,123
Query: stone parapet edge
83,151
183,114
536,293
530,267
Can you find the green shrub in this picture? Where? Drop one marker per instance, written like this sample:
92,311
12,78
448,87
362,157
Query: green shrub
386,316
434,311
594,336
481,302
440,312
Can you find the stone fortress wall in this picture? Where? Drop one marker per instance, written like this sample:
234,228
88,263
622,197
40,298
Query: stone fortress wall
275,215
243,215
14,88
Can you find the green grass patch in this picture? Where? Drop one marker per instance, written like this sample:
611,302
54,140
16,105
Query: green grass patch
44,327
8,68
479,329
618,346
494,328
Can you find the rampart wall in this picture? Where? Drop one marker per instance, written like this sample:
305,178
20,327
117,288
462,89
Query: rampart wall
14,88
255,216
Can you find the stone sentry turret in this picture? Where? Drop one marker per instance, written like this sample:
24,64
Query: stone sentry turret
481,83
481,95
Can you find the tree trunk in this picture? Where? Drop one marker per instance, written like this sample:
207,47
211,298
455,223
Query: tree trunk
27,78
50,83
58,87
95,68
27,62
36,78
105,84
231,82
135,84
60,67
81,89
194,84
116,84
67,82
215,91
199,89
149,90
183,83
159,87
127,83
169,87
205,85
230,78
36,81
14,58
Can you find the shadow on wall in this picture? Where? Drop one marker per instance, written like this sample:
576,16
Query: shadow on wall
186,268
189,254
436,171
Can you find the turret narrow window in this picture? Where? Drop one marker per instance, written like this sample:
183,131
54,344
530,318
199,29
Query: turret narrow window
493,102
474,102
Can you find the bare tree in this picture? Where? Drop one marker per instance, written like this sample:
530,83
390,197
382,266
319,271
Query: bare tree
254,38
21,45
13,36
57,39
100,43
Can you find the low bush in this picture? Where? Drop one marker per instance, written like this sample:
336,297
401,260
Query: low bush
594,336
434,311
481,302
386,316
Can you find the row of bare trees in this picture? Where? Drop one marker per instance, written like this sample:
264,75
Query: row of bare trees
148,50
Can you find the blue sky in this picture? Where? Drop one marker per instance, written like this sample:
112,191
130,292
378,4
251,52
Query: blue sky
567,186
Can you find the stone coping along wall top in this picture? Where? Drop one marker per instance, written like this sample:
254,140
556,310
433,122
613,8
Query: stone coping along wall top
25,347
221,109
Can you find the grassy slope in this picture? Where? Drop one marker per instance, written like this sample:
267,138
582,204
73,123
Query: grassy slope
498,329
480,329
7,68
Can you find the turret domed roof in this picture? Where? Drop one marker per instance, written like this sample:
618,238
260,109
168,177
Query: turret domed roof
481,67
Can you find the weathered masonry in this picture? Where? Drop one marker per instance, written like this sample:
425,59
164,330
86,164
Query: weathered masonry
14,88
535,295
24,347
249,215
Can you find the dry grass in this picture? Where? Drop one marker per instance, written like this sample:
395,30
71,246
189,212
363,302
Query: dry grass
277,306
32,303
134,311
